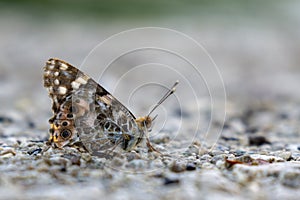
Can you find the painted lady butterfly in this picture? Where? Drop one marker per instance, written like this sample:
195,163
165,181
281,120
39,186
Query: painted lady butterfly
85,113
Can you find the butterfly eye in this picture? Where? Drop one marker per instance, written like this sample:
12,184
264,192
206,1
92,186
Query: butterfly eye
65,133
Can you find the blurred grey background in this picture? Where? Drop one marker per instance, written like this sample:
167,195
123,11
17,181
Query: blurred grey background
255,43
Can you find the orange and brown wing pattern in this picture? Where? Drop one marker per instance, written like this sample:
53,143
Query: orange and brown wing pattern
84,111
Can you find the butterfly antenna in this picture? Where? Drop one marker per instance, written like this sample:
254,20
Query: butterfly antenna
168,93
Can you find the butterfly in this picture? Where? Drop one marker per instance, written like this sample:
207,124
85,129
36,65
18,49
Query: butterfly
84,112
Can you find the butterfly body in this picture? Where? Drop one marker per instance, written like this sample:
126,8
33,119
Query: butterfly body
83,111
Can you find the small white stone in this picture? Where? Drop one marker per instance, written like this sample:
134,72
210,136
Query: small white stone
56,82
56,73
63,66
62,90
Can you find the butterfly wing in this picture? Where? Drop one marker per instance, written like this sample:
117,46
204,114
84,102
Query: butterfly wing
84,111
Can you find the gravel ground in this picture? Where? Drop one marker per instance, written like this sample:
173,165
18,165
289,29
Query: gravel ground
257,156
254,158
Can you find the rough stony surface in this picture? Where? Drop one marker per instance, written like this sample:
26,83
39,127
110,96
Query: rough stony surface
256,156
267,169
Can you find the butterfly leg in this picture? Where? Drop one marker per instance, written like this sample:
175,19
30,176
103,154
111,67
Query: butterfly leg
149,145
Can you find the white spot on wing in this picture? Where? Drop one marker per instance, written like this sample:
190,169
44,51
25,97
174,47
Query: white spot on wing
47,73
81,80
106,99
56,82
62,90
55,99
75,85
63,66
50,89
51,67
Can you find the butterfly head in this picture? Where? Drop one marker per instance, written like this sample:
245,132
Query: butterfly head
144,122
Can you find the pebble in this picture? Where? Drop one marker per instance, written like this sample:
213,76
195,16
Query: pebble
132,155
86,157
285,155
290,178
296,156
171,181
178,167
192,150
157,163
4,119
229,138
75,159
239,152
8,152
206,157
137,164
220,164
190,167
57,160
257,140
117,162
34,151
161,138
267,158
